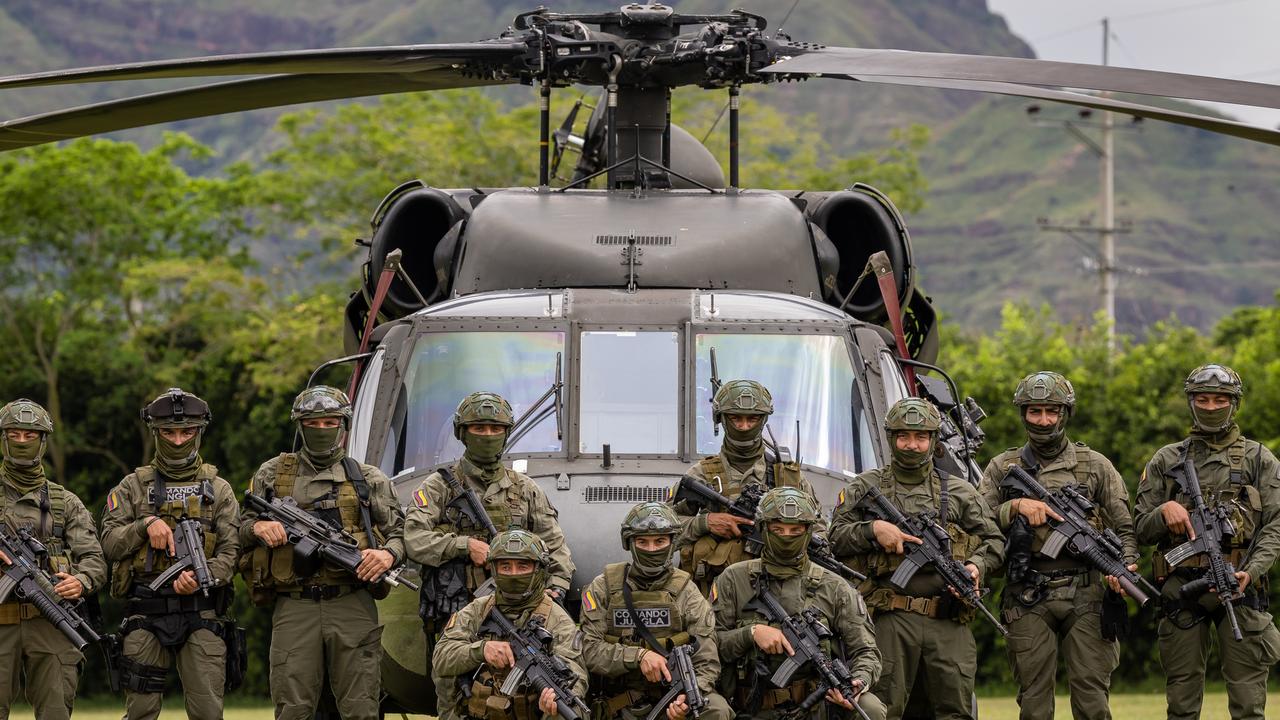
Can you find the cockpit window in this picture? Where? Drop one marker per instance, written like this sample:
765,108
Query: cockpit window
811,380
895,386
445,367
630,392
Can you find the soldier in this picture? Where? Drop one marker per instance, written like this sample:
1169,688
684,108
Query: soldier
633,612
1051,604
712,541
1244,476
31,648
137,536
324,617
469,654
744,635
924,630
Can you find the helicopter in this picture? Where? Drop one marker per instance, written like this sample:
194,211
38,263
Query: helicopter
607,313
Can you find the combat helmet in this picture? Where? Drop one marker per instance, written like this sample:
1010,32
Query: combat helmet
24,414
321,401
741,397
177,408
482,407
1213,378
650,518
1045,388
912,414
519,545
788,505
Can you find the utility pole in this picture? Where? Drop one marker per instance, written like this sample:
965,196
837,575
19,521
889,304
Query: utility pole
1107,266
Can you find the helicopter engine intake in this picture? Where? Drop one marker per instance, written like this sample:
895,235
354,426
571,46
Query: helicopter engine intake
860,222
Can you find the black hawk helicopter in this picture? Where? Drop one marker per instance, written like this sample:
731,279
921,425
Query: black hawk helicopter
606,315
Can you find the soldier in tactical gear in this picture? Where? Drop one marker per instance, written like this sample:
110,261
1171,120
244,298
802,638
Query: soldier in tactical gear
472,664
138,539
634,612
924,630
712,541
1244,477
751,649
324,617
1053,604
31,648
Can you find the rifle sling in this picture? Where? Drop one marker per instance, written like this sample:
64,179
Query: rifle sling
352,470
641,628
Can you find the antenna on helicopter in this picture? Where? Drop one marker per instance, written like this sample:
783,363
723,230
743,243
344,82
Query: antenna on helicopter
715,388
797,442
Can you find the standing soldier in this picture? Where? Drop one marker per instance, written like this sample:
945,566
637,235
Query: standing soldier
1243,477
1057,603
712,541
138,538
32,650
752,648
472,661
324,617
633,613
925,630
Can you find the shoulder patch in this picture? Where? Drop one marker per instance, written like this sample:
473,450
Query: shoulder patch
1142,480
113,501
452,620
715,593
420,497
589,601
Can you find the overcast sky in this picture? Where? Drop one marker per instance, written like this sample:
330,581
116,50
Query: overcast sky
1225,38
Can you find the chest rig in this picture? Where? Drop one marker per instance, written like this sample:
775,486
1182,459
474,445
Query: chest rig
656,614
171,502
750,686
51,527
710,555
480,697
878,564
1087,475
505,508
345,506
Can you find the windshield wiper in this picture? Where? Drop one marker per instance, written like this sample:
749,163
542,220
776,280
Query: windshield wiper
536,413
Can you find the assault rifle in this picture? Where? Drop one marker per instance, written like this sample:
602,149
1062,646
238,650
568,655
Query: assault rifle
683,681
444,588
935,550
699,494
312,537
536,664
24,578
188,554
1101,549
1212,529
805,632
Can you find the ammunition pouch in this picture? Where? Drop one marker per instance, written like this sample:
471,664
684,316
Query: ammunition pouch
139,678
1192,567
484,702
709,556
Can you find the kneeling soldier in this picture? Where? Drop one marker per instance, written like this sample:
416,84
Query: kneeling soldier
473,658
138,539
634,613
752,647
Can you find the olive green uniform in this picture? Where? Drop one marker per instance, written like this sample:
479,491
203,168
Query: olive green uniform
161,624
1068,614
841,609
705,555
32,650
923,630
1247,474
460,653
434,536
611,645
328,620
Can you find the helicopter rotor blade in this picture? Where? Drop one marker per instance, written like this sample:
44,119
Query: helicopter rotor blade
218,99
1203,122
892,66
345,61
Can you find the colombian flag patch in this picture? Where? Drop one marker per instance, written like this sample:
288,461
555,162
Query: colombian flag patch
420,497
113,501
840,498
589,601
714,594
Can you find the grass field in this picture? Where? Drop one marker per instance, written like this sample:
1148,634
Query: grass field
1123,707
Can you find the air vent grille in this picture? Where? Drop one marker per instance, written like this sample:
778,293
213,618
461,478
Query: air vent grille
639,239
623,494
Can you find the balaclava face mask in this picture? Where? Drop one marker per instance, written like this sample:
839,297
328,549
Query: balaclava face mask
911,466
1215,427
743,447
785,556
518,593
177,462
1047,442
651,565
484,451
321,446
22,467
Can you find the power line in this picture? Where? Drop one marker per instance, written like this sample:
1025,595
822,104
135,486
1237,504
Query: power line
1134,16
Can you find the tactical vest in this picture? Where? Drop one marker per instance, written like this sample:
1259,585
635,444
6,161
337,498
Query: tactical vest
52,528
170,502
877,564
710,554
509,513
273,569
485,702
659,612
750,664
1087,468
